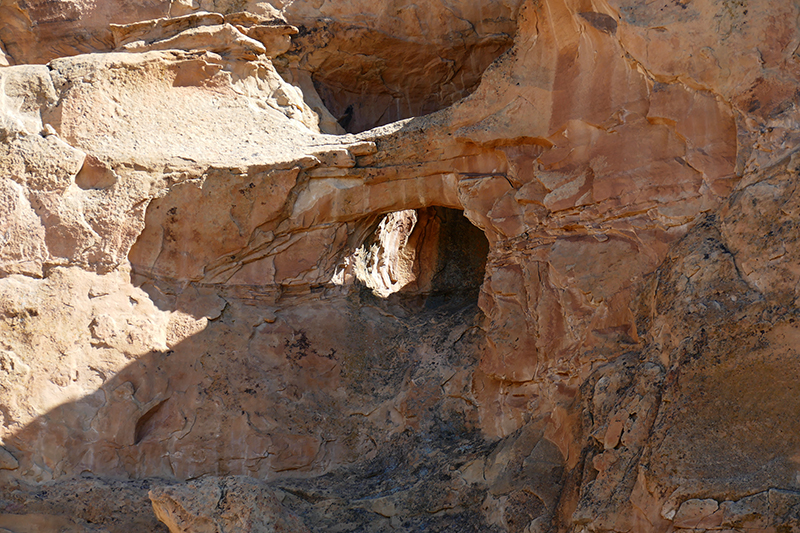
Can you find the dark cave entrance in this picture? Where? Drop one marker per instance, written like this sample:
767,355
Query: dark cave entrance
431,256
458,253
367,78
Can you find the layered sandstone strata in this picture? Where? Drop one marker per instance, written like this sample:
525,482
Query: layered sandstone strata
564,302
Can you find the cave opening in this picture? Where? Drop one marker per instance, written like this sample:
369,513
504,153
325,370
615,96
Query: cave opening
362,106
431,256
367,77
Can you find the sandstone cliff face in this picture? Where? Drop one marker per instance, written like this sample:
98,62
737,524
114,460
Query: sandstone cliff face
564,300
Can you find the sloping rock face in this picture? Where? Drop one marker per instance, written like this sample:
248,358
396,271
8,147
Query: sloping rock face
566,300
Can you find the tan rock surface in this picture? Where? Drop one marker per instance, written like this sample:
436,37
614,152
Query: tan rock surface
194,281
227,505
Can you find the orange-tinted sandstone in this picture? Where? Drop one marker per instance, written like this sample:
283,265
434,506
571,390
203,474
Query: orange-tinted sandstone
548,281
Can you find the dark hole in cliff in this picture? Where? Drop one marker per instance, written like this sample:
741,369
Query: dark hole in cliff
432,256
458,255
367,78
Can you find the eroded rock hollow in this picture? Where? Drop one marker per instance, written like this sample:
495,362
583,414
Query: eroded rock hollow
499,266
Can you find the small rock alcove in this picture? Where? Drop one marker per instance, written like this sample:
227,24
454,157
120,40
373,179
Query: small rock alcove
396,67
431,256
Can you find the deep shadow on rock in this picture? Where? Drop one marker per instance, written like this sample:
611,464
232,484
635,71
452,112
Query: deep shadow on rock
369,438
357,410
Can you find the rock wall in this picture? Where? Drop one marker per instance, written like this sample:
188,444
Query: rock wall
217,305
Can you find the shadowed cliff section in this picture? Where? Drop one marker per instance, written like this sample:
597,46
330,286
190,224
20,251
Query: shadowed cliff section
631,167
665,422
356,417
376,66
398,78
